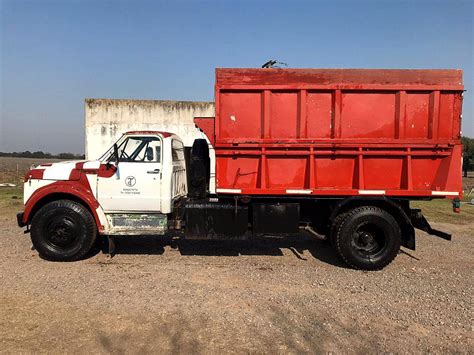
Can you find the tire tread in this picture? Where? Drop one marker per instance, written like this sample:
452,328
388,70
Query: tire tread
87,220
339,236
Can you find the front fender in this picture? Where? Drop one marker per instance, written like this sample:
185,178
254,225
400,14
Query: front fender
63,189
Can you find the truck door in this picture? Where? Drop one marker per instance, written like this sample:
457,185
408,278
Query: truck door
136,185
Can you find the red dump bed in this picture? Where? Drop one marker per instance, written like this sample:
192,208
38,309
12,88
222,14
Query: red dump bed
337,132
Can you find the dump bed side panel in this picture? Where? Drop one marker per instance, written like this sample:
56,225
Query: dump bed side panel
338,132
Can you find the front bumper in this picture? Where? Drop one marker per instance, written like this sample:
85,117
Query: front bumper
19,219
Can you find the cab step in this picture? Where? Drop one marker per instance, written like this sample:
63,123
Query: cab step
137,223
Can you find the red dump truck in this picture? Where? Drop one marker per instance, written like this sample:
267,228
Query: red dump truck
338,153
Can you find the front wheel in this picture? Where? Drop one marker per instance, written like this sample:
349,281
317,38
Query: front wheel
368,238
63,230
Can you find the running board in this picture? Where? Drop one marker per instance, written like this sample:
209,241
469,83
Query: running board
137,223
419,221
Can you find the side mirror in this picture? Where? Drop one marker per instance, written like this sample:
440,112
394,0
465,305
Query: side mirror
116,154
149,154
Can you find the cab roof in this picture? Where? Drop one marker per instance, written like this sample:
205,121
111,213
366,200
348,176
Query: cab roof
164,134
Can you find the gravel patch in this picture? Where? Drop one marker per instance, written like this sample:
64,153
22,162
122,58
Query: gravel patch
277,295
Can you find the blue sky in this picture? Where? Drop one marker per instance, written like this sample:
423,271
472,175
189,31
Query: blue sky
56,53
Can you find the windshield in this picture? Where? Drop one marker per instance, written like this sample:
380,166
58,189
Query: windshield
137,149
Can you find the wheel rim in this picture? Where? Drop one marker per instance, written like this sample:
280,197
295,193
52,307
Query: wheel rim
369,240
62,232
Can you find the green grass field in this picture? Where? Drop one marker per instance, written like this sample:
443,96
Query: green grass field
11,199
442,211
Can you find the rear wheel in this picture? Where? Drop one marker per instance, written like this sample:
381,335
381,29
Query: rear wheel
334,228
63,230
368,238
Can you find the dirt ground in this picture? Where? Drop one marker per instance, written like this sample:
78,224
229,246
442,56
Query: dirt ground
278,295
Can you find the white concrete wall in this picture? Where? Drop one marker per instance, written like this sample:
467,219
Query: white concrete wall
107,119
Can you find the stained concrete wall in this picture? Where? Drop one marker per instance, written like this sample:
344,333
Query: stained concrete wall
107,119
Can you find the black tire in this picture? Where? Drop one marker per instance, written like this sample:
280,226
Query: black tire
200,149
199,169
334,228
368,238
63,230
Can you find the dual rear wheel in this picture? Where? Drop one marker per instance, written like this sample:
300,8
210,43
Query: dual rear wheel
366,238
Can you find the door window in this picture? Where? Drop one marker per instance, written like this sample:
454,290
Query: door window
140,149
177,150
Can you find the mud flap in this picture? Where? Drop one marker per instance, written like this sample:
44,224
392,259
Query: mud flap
419,221
111,246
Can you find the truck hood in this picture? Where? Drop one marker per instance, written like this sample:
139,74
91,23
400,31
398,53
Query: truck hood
65,170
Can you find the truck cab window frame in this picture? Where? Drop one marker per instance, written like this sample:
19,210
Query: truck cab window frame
135,149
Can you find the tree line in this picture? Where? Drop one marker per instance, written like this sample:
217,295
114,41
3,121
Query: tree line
468,156
468,144
42,155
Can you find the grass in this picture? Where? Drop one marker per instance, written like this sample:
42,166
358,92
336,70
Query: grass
11,199
442,211
12,170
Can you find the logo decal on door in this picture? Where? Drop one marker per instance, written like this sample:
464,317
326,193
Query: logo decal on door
130,181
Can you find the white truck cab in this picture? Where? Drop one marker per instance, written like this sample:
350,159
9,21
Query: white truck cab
132,189
150,173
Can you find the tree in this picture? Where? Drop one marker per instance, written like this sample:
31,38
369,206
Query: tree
468,154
